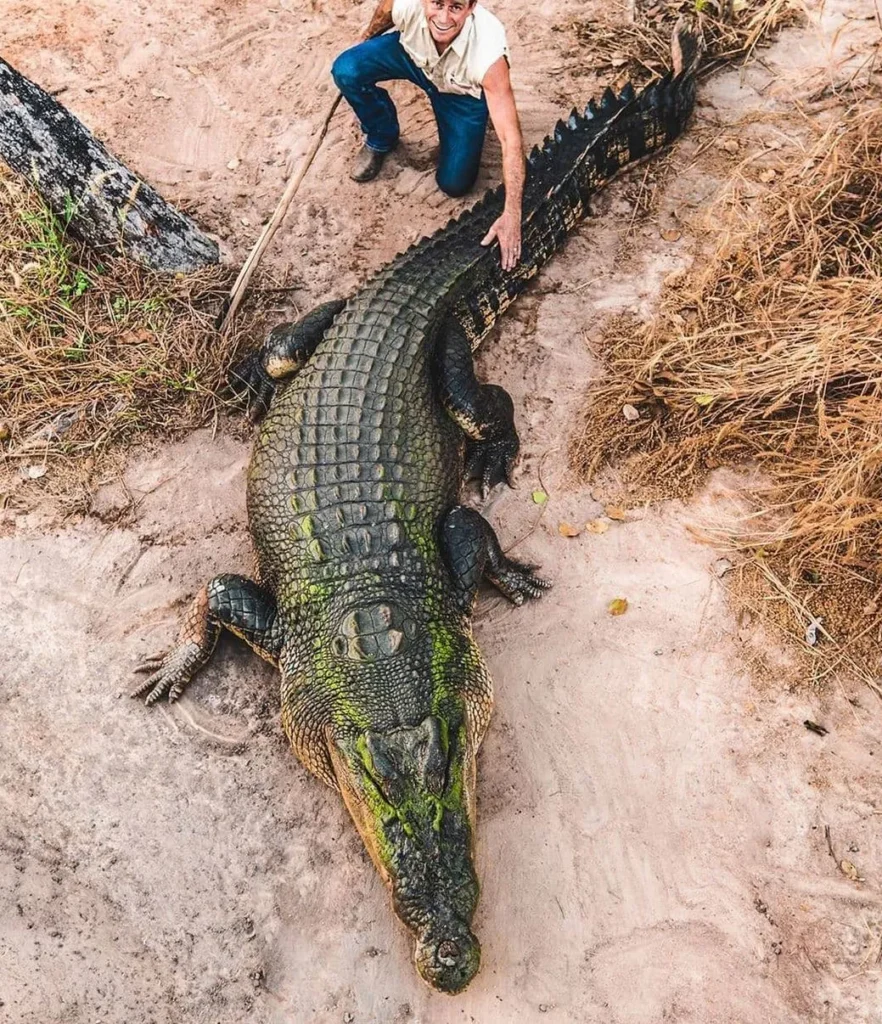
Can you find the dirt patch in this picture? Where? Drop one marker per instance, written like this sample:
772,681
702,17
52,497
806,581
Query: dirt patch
651,836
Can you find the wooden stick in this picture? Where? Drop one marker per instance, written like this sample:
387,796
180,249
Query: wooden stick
250,264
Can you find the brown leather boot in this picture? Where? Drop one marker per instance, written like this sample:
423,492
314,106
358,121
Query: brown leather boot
367,165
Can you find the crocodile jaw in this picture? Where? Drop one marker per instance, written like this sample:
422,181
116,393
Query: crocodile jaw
417,825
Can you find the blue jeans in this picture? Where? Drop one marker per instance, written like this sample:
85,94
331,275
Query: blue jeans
462,120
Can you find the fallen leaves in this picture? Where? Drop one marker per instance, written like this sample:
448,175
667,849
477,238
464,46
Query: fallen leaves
597,526
630,413
850,871
539,497
615,512
568,530
618,606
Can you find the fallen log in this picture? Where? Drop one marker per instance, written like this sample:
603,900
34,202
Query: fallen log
99,200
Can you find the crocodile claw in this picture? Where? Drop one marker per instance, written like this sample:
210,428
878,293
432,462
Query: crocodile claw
252,386
491,463
169,674
518,582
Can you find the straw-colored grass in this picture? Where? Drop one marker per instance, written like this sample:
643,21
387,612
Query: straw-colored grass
634,42
771,352
94,350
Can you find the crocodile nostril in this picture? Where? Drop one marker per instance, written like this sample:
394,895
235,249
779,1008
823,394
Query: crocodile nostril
448,952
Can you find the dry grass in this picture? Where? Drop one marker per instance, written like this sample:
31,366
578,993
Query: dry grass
772,353
95,350
635,42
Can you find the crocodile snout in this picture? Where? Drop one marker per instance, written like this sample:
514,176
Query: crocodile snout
449,963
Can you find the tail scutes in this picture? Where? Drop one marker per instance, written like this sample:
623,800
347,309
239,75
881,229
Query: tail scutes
687,46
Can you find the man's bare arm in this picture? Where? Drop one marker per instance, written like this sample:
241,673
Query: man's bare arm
381,20
504,115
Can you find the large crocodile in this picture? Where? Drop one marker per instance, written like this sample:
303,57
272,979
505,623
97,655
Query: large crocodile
368,566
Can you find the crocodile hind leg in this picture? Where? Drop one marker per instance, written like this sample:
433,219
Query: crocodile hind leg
285,352
484,411
472,552
232,602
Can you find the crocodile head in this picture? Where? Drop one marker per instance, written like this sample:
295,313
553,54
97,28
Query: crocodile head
410,793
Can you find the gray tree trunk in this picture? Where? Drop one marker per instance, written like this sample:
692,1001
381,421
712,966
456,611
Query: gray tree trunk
102,202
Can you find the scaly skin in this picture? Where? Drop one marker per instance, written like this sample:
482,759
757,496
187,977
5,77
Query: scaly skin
368,568
355,465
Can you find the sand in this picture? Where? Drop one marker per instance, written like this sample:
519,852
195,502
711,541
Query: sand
652,817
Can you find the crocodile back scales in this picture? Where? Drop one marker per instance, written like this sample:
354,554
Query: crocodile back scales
357,446
356,462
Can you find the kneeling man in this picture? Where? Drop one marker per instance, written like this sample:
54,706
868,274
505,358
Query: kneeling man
456,51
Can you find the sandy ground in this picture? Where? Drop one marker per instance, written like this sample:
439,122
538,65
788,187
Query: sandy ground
652,820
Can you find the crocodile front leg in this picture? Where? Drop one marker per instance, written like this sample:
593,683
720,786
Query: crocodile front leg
472,552
484,411
285,352
232,602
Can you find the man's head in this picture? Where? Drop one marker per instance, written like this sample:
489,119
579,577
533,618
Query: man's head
446,18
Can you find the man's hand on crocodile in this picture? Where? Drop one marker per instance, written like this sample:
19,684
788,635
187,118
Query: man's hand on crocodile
507,231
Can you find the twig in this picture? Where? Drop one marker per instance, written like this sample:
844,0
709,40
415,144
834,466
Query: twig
830,844
532,529
272,225
640,191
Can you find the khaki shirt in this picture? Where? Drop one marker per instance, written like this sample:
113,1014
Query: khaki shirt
462,66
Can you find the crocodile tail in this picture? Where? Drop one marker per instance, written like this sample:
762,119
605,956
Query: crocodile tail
585,151
687,47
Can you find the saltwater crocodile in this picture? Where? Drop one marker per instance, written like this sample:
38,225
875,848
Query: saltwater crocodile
368,566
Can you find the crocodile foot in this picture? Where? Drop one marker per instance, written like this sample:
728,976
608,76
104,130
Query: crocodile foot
517,581
491,462
251,386
169,673
472,552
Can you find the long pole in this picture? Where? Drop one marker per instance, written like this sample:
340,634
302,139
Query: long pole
250,265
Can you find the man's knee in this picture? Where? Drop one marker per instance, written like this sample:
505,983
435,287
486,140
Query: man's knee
454,183
345,71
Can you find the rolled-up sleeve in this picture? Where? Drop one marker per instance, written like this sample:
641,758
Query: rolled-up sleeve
492,44
403,12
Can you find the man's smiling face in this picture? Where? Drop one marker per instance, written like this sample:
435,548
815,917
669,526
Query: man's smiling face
446,19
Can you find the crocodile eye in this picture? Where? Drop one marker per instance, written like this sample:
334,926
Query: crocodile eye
339,646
